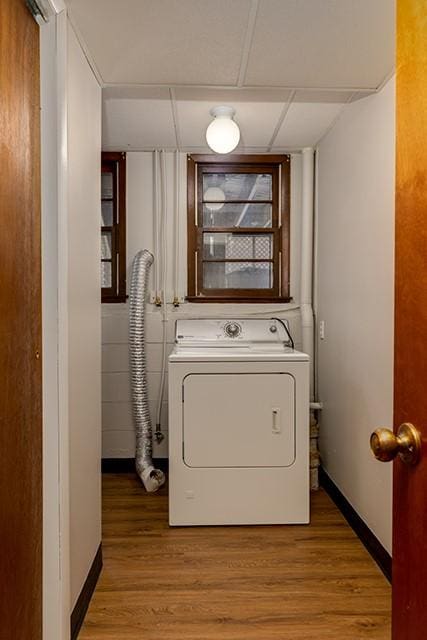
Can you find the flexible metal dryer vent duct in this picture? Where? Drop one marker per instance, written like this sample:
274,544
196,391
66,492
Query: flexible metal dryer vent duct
151,478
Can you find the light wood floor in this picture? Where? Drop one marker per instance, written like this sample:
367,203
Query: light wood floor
312,582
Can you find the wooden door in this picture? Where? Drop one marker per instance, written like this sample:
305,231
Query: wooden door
410,483
20,327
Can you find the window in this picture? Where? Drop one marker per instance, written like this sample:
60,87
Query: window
113,227
238,228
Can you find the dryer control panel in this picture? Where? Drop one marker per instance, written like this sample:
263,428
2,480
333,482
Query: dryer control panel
232,331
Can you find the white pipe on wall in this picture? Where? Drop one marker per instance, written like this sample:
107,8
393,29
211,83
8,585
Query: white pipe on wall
163,294
315,272
307,321
156,269
163,249
176,230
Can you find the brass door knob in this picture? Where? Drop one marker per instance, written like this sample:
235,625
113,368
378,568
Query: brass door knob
406,443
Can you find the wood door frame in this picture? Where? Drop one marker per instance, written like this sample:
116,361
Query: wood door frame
56,556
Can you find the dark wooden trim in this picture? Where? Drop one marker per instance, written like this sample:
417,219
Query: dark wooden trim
285,225
79,612
361,529
246,300
256,260
114,299
278,166
127,465
191,225
121,230
263,158
244,231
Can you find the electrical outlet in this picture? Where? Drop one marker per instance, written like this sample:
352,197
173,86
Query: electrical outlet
322,329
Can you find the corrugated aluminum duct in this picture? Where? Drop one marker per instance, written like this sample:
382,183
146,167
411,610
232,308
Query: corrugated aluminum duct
151,478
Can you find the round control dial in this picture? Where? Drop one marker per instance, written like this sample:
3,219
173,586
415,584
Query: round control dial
232,329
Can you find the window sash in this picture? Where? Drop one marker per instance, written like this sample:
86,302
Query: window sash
274,291
278,168
115,163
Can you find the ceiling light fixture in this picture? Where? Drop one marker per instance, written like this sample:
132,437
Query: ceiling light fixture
223,134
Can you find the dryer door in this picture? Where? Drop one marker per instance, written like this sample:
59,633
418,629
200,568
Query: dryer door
239,420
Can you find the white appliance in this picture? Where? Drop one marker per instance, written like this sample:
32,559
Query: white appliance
238,424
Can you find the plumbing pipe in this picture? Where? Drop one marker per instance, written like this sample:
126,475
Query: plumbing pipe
156,226
315,273
306,293
151,478
176,231
154,222
163,184
163,226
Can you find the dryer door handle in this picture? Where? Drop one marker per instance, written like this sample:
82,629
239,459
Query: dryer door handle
276,422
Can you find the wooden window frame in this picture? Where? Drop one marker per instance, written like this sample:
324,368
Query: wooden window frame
279,167
115,162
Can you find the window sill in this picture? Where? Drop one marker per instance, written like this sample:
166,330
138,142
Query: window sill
114,299
238,300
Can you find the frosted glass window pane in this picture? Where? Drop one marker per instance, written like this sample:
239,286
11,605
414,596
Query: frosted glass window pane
106,244
235,246
107,214
106,185
237,186
225,214
106,273
237,275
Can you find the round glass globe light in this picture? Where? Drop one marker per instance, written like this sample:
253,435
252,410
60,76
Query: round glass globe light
216,194
223,134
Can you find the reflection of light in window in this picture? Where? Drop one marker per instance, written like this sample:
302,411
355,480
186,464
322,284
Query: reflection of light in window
216,195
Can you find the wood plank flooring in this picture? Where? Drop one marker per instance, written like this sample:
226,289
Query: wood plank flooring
313,582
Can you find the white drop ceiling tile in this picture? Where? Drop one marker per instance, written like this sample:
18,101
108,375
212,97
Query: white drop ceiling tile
135,92
231,96
325,44
256,121
305,123
360,95
164,41
340,97
256,150
138,124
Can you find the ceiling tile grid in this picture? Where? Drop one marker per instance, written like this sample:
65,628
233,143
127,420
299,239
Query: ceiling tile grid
255,119
306,123
145,123
287,66
322,44
136,124
166,41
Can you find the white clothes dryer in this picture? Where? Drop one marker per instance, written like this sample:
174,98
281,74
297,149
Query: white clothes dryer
238,424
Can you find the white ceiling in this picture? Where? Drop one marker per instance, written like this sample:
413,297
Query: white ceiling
287,66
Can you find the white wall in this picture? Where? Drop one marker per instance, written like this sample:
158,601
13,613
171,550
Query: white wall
118,431
53,581
355,299
84,316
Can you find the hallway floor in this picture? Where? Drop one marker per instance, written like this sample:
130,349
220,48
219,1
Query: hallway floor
231,583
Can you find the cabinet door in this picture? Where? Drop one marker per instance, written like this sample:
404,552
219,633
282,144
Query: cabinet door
239,420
